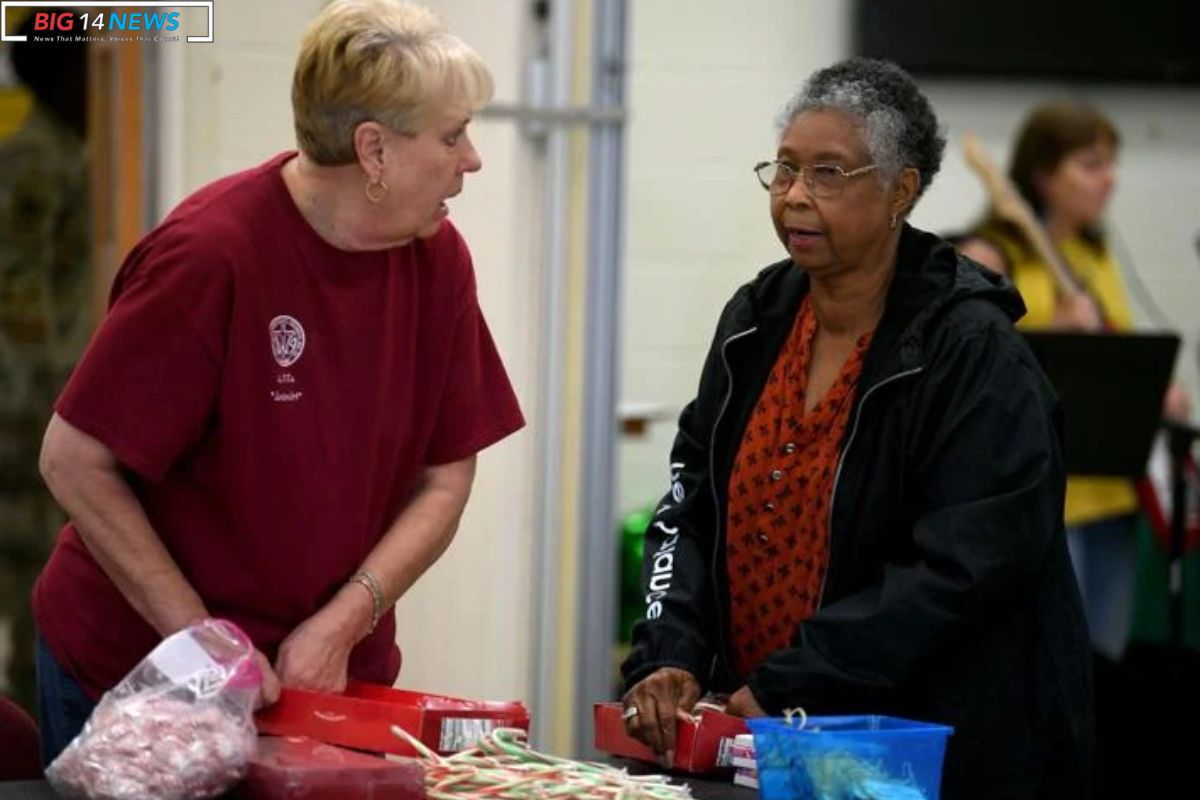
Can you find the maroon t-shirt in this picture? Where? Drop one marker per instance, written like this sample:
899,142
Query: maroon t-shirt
274,400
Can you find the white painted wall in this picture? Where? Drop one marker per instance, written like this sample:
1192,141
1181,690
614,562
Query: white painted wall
236,91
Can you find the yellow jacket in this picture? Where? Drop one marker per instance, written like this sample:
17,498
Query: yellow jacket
1088,499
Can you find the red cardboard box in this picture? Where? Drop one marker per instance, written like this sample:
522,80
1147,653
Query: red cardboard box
362,718
701,745
295,768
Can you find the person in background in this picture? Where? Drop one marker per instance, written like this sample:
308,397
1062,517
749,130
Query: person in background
866,503
45,311
278,420
1064,166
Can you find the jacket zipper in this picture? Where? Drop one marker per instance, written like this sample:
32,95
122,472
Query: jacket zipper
837,475
722,655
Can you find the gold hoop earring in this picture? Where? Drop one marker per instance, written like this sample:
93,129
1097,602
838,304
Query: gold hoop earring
376,197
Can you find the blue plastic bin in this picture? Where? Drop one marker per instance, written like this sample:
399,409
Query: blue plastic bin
849,758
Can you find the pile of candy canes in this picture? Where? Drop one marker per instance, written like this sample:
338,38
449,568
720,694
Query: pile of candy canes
503,766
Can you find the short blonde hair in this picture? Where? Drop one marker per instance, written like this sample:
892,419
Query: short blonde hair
382,60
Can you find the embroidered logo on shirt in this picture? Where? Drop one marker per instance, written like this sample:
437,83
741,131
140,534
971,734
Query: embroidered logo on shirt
287,340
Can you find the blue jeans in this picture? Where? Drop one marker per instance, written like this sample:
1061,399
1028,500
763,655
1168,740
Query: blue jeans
63,706
1104,554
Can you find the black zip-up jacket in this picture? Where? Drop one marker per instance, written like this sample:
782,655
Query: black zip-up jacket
949,594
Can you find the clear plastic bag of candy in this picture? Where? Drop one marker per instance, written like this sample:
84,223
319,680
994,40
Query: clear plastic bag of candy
180,726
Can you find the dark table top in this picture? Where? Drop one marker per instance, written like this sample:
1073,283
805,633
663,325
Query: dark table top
26,790
702,789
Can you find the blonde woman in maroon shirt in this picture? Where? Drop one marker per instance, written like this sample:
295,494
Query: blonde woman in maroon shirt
278,420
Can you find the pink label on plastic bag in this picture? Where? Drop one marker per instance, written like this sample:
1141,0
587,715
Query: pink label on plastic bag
246,676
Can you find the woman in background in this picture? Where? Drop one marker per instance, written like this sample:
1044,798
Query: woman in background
1064,166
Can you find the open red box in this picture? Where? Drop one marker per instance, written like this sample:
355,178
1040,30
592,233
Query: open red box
362,718
701,744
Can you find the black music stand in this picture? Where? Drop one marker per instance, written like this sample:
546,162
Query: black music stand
1111,386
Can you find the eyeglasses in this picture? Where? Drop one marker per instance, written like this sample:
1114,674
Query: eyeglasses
825,181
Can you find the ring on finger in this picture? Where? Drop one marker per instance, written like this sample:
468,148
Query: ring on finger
630,712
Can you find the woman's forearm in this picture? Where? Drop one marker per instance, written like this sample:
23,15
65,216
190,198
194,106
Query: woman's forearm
418,537
86,480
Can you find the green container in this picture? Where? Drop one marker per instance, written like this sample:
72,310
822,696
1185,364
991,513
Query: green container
633,543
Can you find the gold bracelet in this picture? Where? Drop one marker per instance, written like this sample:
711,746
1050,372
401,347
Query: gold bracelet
378,602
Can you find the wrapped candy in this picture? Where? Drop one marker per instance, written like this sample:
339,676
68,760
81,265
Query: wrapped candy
178,727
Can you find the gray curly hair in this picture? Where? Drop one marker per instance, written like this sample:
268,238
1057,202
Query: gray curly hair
897,122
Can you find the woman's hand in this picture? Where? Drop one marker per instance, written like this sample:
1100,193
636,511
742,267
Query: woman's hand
268,691
312,657
663,697
986,254
1177,405
315,655
1078,312
743,704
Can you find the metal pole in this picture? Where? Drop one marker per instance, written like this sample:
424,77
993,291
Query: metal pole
549,523
598,570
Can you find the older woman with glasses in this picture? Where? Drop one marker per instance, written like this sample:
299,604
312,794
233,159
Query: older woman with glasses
866,503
